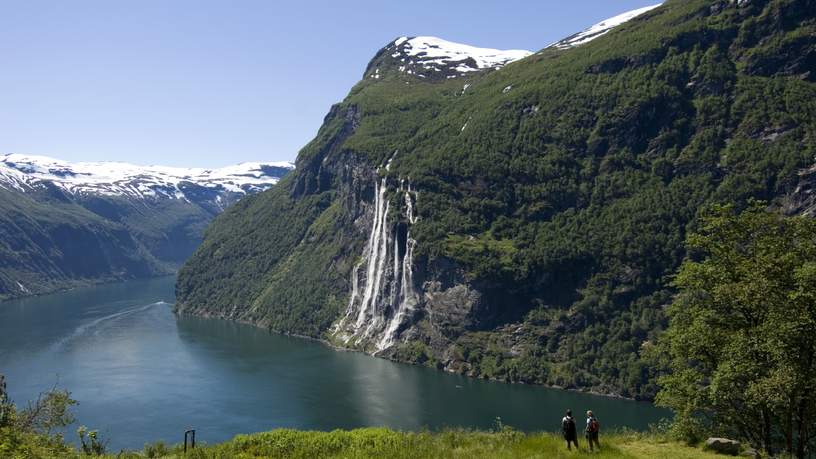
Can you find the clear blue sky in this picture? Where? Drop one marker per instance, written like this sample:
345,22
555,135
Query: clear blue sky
209,83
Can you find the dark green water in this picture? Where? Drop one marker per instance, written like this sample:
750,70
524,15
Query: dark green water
141,374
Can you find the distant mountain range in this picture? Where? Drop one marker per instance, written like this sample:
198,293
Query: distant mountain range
65,224
24,173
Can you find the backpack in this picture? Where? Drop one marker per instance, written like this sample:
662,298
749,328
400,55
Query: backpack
594,425
568,425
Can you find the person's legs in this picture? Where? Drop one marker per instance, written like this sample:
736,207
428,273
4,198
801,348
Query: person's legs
593,443
570,441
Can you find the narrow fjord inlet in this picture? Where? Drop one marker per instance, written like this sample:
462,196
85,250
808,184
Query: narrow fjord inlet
141,374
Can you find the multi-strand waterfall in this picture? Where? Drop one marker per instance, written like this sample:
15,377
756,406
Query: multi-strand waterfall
382,288
375,255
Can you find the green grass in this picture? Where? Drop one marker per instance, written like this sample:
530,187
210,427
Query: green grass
386,443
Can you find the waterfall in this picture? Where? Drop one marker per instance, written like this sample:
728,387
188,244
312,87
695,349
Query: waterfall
381,302
406,300
377,247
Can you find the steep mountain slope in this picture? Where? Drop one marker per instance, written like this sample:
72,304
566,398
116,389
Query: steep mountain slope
65,224
523,223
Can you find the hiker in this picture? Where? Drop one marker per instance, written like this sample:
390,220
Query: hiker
592,429
569,430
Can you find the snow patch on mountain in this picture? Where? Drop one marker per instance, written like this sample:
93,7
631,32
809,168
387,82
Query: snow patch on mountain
438,55
435,58
600,28
24,172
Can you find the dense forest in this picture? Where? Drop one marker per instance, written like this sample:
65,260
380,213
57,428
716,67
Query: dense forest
553,196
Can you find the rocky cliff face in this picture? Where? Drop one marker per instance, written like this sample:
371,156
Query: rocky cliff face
803,199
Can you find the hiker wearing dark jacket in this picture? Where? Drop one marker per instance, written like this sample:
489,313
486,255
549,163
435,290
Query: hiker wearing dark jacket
569,430
592,429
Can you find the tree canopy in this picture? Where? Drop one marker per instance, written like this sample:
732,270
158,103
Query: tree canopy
741,344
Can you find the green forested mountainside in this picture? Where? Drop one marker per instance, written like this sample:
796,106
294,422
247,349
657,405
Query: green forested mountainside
47,243
170,229
560,188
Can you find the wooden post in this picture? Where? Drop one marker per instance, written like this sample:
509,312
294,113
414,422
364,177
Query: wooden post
191,433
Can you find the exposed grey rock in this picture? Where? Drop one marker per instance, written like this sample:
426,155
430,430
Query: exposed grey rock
723,446
802,201
449,308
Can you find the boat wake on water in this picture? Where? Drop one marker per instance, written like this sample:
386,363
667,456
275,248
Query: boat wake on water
99,323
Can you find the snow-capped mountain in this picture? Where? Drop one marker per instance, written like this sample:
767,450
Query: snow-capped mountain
435,58
600,28
25,172
420,55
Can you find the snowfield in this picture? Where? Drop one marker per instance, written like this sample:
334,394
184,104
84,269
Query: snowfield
24,172
437,54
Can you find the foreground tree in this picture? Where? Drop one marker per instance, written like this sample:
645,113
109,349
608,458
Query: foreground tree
35,431
741,344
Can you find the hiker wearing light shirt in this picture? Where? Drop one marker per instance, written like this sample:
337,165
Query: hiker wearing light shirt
592,429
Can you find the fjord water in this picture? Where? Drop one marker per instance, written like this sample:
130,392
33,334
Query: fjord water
141,374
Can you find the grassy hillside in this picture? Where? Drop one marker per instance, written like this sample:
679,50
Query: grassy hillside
376,443
556,191
380,443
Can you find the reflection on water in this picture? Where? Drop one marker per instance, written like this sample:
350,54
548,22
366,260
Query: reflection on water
141,374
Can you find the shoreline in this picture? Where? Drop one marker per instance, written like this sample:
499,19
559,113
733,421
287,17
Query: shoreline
335,347
83,283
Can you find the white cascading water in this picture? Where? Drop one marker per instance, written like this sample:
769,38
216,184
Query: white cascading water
388,295
376,254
